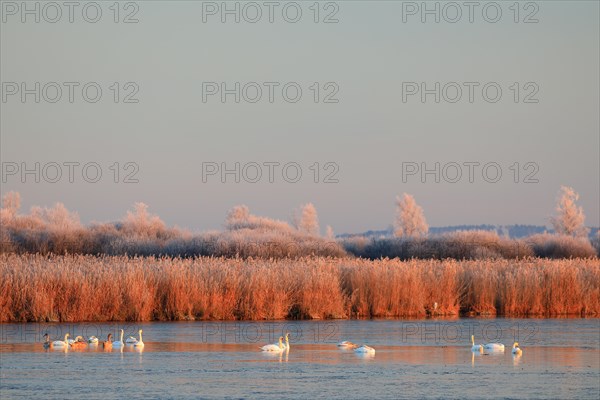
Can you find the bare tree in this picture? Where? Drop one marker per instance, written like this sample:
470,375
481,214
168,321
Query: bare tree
410,221
308,220
570,218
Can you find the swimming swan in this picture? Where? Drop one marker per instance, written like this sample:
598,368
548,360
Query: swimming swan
516,350
476,347
108,344
131,340
493,347
287,341
119,343
364,349
60,343
47,343
78,343
279,347
139,343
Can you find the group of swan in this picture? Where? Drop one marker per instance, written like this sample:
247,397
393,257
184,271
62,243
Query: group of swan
364,349
79,342
130,341
57,343
278,347
493,347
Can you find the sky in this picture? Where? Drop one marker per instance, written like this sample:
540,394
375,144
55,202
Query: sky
348,101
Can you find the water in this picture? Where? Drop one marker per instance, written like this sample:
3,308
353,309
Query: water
414,358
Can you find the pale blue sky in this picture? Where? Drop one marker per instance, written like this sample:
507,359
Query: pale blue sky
369,133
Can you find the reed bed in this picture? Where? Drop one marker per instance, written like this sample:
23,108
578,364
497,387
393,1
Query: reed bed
118,288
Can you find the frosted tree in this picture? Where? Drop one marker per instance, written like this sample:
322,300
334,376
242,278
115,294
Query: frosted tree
11,202
570,218
308,220
410,221
141,223
237,217
329,233
60,219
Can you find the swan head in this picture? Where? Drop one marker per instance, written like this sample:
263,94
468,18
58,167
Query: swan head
516,344
287,336
473,340
46,337
109,337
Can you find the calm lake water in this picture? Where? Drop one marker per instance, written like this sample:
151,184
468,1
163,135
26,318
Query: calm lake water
414,358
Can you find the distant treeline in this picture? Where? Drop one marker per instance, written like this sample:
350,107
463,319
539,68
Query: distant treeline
510,231
58,231
472,245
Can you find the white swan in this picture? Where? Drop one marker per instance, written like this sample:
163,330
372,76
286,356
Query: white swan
287,341
346,344
475,347
279,347
93,340
516,350
119,343
493,347
60,343
364,349
139,343
131,340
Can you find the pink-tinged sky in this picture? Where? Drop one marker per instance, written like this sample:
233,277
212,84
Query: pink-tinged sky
369,133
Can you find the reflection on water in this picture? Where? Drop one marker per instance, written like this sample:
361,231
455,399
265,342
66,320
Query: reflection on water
516,360
282,356
332,355
561,361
